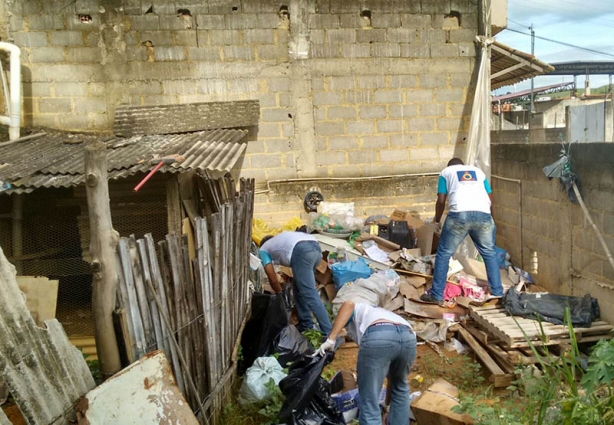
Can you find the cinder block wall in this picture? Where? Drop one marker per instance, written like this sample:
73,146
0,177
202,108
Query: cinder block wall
570,258
347,89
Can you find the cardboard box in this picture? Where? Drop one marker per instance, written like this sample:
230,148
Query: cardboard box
323,273
434,406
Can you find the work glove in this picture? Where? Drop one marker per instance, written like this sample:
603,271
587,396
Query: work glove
327,345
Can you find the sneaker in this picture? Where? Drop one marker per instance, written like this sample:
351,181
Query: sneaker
428,298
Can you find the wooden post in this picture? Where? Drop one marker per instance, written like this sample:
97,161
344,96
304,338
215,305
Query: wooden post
103,242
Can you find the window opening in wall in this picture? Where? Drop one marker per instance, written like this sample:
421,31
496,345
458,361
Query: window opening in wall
284,17
366,18
452,20
84,19
150,10
183,12
235,8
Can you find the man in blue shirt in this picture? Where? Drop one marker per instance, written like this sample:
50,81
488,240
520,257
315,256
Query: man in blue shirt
469,195
302,253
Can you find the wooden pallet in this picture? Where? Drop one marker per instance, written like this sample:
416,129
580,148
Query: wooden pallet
512,332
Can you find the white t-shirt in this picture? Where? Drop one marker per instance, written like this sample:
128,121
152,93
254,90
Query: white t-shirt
467,188
364,315
280,247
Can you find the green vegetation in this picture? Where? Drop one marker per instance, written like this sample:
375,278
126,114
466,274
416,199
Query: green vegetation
563,391
314,337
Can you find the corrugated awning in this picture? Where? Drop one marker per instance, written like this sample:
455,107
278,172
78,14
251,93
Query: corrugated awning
57,159
510,66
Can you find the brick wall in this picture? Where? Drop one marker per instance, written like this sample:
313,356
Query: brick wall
347,89
570,258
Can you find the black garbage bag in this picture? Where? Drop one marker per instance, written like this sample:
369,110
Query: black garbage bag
308,398
269,316
290,345
551,307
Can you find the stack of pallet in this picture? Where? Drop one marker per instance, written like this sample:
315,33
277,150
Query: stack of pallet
502,341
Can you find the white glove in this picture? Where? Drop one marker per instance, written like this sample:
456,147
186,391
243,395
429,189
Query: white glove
327,345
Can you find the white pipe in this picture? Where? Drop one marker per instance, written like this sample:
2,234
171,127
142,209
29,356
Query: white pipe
14,118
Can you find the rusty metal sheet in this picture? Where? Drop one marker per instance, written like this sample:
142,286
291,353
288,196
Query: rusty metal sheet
144,393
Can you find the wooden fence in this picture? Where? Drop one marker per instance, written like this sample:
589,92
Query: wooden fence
188,295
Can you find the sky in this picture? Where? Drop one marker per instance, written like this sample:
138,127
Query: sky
583,23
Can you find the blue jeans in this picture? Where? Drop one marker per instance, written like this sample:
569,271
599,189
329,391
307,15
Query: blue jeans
305,257
385,350
481,228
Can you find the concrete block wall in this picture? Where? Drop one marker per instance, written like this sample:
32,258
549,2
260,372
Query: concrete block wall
570,259
346,89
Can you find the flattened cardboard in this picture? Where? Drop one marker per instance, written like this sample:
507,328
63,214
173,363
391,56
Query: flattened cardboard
434,406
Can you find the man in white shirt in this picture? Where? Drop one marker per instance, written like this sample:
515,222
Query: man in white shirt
469,195
301,252
387,348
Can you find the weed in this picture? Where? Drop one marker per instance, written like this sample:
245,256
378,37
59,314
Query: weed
328,373
272,408
470,374
314,337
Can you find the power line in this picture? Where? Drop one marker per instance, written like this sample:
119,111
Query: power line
532,5
563,43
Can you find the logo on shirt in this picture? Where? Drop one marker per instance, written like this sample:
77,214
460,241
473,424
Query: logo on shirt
467,176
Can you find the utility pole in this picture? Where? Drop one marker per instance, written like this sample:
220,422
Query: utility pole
532,54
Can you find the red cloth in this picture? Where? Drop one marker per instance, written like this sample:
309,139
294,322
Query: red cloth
451,291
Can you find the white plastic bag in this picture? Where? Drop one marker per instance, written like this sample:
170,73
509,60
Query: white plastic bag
254,388
376,290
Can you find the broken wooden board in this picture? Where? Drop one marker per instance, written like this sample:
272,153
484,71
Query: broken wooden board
409,291
434,406
143,393
45,373
433,311
395,303
499,377
41,296
513,331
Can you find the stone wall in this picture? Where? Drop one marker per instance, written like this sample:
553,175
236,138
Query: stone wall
346,89
538,222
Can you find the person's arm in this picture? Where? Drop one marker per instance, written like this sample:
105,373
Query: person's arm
440,206
270,273
491,204
343,317
489,191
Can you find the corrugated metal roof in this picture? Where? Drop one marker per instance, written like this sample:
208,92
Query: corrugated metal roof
510,66
56,160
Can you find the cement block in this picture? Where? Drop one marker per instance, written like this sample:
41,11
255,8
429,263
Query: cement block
415,51
444,51
358,97
265,161
389,126
255,146
361,127
417,154
275,115
467,50
374,142
172,54
393,155
71,89
92,38
268,130
415,20
434,138
326,50
278,84
91,105
435,7
278,145
401,35
462,36
385,20
267,20
431,36
178,87
341,83
341,112
45,22
15,23
50,105
388,96
385,50
268,100
270,53
243,85
30,39
373,112
433,110
210,22
158,38
342,35
404,139
159,100
403,111
284,100
433,81
460,79
449,95
149,22
326,98
356,50
37,89
363,156
238,53
47,54
329,128
371,36
371,81
342,6
260,36
351,20
185,38
331,158
239,21
403,81
177,22
225,37
84,54
421,124
452,124
317,37
343,143
323,21
136,53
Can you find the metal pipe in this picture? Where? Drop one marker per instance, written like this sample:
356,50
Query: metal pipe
519,182
13,120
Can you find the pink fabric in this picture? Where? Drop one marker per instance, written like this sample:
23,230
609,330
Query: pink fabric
451,291
472,290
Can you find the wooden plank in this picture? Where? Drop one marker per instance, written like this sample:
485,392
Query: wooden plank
143,302
500,378
41,297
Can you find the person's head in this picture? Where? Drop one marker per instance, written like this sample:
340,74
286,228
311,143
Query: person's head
266,238
455,161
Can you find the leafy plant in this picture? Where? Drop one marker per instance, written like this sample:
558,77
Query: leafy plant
272,408
314,337
471,374
328,373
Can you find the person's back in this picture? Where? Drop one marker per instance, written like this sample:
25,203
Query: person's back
280,246
466,187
